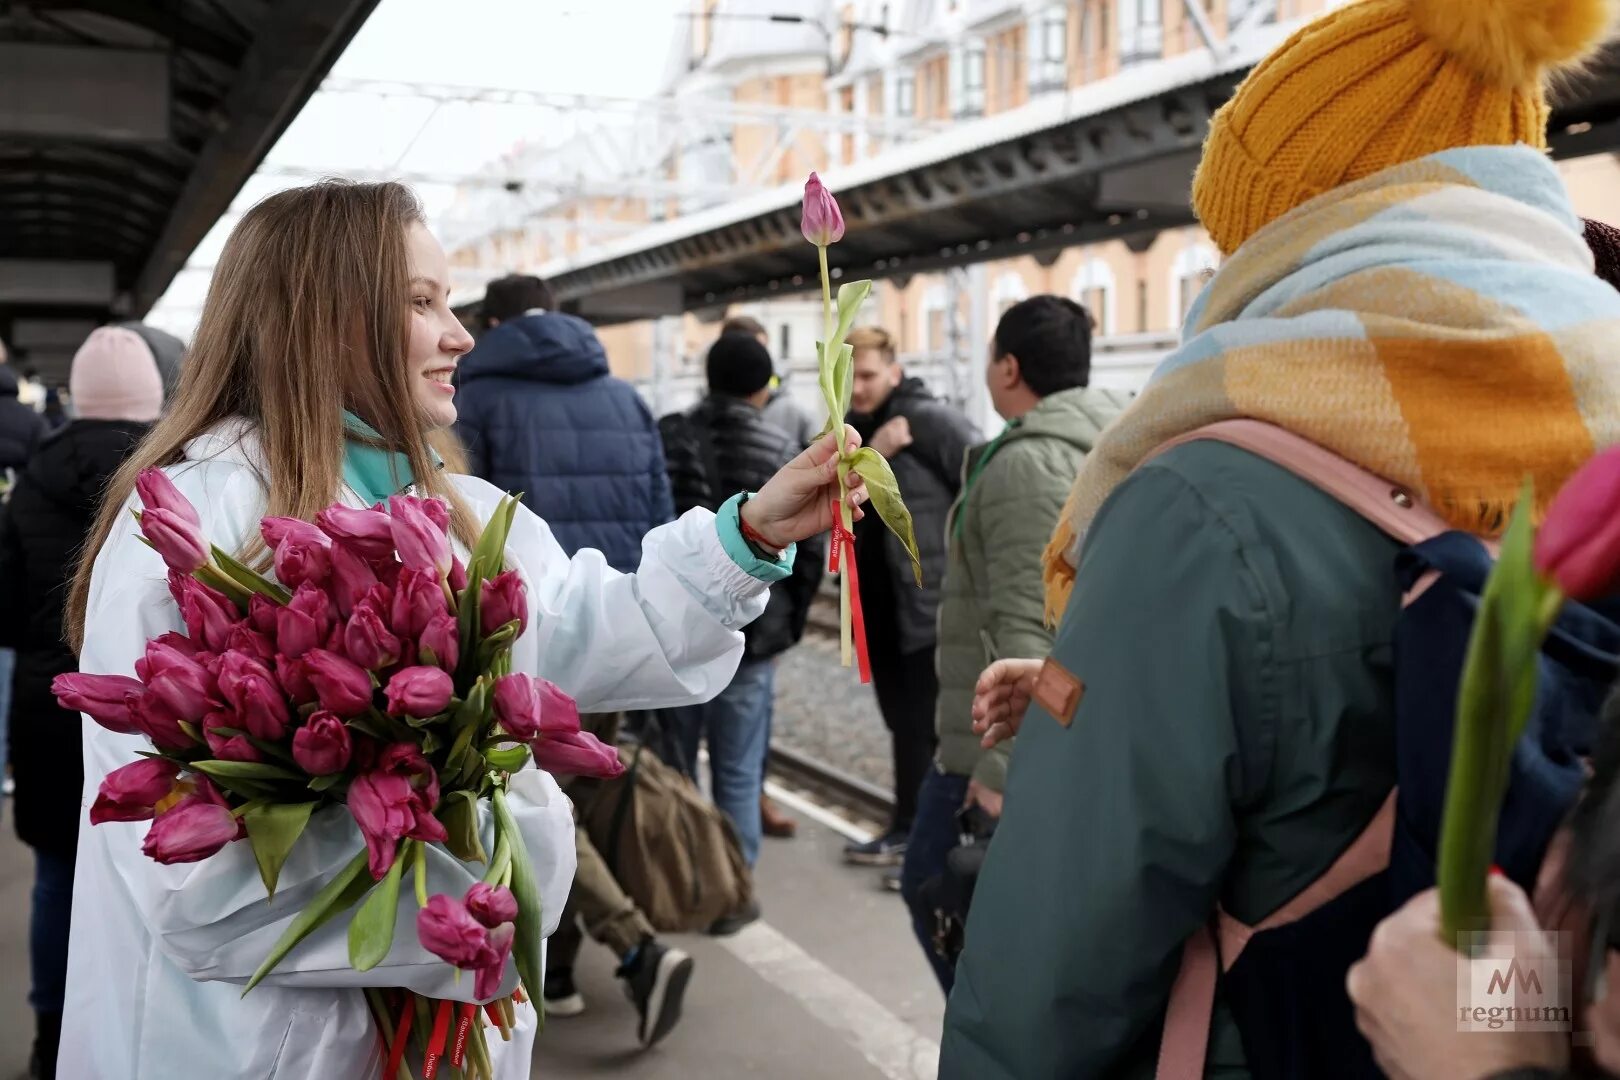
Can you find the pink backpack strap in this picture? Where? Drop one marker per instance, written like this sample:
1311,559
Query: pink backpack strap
1392,508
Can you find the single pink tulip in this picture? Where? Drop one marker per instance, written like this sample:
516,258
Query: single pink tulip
383,808
366,533
440,643
1578,546
195,828
103,698
178,541
263,708
180,643
299,562
305,622
418,597
491,904
262,613
158,722
209,615
488,976
517,706
421,542
448,931
244,639
178,680
157,492
367,640
579,754
559,713
420,692
229,747
437,511
294,679
352,577
458,575
341,685
822,222
502,599
130,792
322,746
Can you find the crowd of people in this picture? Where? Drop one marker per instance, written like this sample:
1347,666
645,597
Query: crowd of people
1142,708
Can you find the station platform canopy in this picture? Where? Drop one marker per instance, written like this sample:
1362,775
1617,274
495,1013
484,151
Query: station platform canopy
126,128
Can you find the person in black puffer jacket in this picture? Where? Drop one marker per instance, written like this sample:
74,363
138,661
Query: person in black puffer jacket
117,393
724,445
21,427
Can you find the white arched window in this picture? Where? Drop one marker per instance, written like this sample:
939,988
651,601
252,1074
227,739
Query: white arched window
1008,290
1195,264
1094,289
934,325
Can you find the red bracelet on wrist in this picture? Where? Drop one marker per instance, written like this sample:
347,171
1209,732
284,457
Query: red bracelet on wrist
754,537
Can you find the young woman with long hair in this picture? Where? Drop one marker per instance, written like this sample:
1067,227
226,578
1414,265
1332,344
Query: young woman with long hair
321,371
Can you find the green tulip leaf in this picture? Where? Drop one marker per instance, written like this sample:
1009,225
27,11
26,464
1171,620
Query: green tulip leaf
851,295
527,941
496,645
826,374
458,813
511,759
272,830
321,783
371,933
245,770
844,379
345,889
249,578
884,495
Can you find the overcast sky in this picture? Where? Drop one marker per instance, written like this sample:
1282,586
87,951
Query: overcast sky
612,47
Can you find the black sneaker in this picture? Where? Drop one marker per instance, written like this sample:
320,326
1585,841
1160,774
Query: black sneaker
887,850
726,925
656,982
562,998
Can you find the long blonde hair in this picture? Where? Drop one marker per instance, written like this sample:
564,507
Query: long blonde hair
309,307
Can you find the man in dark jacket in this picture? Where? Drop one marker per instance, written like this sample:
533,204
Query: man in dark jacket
926,442
540,414
725,444
117,392
21,427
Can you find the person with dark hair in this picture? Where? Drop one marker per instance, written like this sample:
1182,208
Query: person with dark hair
925,440
541,413
725,442
746,324
780,408
514,296
1038,373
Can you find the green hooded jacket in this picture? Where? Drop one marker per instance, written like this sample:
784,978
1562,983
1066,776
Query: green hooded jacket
1231,627
991,607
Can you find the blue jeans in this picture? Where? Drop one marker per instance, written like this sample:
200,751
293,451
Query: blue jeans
737,725
48,930
934,832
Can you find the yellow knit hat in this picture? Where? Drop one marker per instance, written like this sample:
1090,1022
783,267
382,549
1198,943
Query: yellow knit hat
1377,83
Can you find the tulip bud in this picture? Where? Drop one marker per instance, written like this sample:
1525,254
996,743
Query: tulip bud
559,713
437,511
263,708
822,223
129,793
342,686
352,577
278,530
1578,546
178,541
228,747
418,597
179,681
502,599
366,639
103,698
300,562
517,706
448,931
322,746
366,533
441,642
294,679
209,616
420,541
420,692
491,904
262,614
304,623
579,754
157,492
181,644
487,982
458,575
193,830
158,723
244,639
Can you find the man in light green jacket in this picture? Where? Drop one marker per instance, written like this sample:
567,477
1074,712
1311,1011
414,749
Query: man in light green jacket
992,603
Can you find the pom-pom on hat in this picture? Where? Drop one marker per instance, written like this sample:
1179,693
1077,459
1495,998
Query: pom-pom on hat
1380,82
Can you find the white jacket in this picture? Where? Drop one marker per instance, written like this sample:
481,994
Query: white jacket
159,954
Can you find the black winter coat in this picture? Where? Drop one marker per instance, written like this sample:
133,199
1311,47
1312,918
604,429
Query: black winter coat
732,437
541,415
42,527
929,473
21,428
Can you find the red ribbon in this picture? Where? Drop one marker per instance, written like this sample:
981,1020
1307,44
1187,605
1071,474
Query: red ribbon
459,1047
494,1012
843,539
435,1049
396,1053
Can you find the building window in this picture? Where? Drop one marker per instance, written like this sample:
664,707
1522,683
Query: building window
1141,31
972,103
846,105
1051,68
935,332
1193,268
905,96
785,348
1093,287
1141,305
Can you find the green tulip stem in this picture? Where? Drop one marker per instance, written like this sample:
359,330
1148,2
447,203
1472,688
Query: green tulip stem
419,857
826,309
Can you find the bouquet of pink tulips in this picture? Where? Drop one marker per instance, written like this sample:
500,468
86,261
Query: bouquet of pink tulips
373,673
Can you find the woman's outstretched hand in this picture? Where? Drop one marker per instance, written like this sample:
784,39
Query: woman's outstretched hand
796,503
